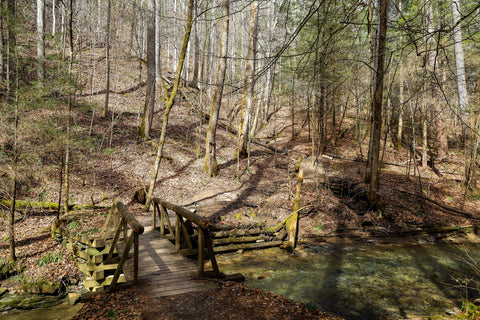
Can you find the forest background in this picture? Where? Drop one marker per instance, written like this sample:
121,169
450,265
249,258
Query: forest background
373,95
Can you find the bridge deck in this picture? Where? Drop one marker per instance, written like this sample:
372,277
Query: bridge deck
167,272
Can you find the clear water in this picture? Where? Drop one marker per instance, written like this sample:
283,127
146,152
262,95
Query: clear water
362,280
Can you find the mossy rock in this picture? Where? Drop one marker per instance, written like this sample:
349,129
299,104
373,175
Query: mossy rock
42,287
29,301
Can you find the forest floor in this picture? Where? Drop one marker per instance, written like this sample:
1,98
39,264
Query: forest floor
418,204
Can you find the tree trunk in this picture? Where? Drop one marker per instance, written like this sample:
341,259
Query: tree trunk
11,229
107,45
168,107
11,48
373,164
149,106
459,58
158,53
211,165
249,83
40,40
196,55
441,135
468,121
69,113
54,18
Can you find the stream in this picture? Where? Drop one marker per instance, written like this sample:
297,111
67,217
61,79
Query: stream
364,280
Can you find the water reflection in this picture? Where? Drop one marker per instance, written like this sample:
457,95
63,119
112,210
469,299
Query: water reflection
362,281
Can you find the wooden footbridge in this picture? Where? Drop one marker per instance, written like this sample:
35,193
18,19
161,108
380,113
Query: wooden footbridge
125,250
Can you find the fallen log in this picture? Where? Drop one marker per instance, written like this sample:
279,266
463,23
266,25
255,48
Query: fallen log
247,246
205,116
241,239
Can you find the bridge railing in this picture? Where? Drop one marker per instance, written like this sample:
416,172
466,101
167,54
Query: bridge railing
123,221
204,239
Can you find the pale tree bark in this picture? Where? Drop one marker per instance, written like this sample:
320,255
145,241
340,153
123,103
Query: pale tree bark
196,55
249,83
40,40
107,52
170,103
459,58
54,17
149,106
372,177
211,165
158,53
401,96
468,118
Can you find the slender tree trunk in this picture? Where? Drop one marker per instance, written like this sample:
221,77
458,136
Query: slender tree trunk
459,58
168,107
54,18
149,106
11,48
441,135
196,55
211,164
158,53
11,229
468,120
373,164
40,40
424,135
107,51
69,113
12,93
401,112
249,83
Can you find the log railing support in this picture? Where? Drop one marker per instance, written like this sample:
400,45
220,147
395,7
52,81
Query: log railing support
122,221
204,239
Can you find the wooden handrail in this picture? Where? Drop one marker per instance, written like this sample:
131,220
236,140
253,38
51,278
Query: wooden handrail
187,214
129,218
204,226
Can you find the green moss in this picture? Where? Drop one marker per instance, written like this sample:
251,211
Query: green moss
22,204
51,257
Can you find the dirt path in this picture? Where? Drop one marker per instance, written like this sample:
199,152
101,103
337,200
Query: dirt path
230,301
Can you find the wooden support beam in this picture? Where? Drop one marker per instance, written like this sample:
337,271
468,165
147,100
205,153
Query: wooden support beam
177,232
201,253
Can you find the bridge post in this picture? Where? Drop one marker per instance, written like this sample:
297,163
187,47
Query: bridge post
135,253
177,232
201,252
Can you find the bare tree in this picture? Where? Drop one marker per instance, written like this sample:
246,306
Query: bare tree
249,83
108,62
149,106
40,40
170,103
12,91
469,121
372,177
211,164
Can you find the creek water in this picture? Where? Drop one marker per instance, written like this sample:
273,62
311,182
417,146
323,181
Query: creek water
364,280
62,311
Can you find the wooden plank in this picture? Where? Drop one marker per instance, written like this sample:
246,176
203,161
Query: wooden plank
179,291
167,272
